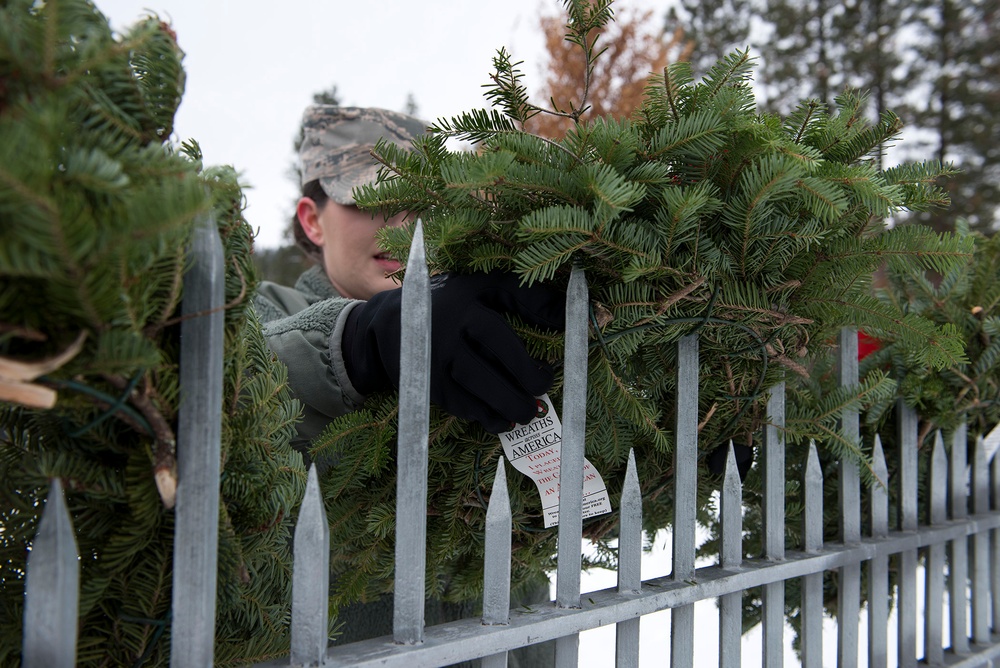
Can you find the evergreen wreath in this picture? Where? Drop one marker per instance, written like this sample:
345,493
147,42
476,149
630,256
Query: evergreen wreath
95,212
966,297
698,214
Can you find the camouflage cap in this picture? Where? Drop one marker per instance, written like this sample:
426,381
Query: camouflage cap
337,140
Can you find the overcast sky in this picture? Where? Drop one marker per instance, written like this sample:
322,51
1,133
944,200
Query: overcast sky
253,66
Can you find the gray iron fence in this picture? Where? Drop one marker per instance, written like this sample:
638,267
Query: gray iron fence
953,541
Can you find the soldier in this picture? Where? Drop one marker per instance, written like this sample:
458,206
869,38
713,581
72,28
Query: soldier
338,329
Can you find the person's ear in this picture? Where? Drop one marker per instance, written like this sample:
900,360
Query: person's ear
308,214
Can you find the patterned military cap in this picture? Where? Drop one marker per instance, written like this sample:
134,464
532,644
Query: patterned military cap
337,140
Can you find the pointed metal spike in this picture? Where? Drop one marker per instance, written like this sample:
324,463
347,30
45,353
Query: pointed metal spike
907,430
496,583
417,259
52,589
939,481
812,531
199,459
629,564
958,549
731,511
412,448
980,547
311,577
958,490
574,421
980,478
880,492
630,533
730,605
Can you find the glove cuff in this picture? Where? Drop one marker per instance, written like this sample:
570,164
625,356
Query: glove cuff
360,346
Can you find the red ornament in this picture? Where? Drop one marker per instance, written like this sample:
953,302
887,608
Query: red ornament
867,345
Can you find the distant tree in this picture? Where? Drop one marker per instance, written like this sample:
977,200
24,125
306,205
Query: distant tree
411,107
633,50
953,80
799,56
820,47
284,264
715,28
933,62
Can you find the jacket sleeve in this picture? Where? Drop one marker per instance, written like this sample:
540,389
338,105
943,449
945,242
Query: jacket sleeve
307,341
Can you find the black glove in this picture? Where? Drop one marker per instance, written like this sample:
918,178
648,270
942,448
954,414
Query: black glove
480,369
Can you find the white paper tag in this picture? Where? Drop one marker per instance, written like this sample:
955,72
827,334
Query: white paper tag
534,450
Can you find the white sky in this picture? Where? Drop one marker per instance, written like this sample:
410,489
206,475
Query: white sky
253,66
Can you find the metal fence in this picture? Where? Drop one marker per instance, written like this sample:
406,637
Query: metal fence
949,541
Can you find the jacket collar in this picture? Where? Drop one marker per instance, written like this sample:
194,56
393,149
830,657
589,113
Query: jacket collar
314,283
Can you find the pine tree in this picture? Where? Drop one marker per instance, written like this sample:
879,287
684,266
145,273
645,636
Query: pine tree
955,64
96,208
715,28
965,300
934,62
696,215
843,45
284,264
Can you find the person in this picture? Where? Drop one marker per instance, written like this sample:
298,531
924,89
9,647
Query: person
337,330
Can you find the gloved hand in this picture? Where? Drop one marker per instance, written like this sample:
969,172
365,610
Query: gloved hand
480,369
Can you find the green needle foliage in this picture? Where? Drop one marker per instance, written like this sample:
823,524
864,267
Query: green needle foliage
95,213
966,301
698,214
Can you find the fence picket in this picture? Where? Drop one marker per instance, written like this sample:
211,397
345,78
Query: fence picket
849,487
980,548
685,486
878,567
52,588
311,577
958,549
629,564
496,578
995,543
199,458
414,422
773,615
934,590
907,430
731,605
812,584
571,464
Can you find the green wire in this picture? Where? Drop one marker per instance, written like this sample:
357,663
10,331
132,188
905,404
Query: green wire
115,404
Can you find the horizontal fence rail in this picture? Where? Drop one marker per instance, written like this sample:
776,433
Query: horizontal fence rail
960,536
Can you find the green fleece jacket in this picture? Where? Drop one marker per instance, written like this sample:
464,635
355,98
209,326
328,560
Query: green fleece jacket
303,327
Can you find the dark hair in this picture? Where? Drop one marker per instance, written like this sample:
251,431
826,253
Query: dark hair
314,191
